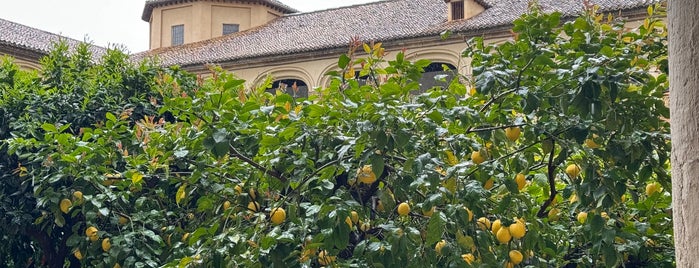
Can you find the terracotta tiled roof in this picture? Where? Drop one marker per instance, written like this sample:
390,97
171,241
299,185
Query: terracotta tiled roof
150,4
381,21
37,41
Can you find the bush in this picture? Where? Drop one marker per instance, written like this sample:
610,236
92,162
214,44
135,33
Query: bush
176,171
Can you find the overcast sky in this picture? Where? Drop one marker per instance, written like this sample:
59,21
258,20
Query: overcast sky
107,22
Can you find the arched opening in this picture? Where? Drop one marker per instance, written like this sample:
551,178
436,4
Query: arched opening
437,74
294,87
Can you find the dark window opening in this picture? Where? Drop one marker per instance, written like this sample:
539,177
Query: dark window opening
362,80
177,35
294,87
230,28
457,10
437,74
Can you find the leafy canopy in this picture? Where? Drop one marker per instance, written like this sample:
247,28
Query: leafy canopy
497,168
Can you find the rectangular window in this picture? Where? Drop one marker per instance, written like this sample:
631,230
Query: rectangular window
230,28
177,35
457,10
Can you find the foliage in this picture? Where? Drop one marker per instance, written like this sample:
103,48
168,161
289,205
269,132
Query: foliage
177,171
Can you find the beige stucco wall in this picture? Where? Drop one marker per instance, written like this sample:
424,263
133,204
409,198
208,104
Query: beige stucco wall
204,20
312,71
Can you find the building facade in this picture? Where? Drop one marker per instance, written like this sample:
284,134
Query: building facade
27,45
257,39
301,48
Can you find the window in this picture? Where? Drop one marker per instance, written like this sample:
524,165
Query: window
294,87
230,28
457,10
178,35
437,74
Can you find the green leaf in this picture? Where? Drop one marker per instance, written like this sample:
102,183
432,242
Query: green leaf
110,117
180,193
50,128
136,178
344,61
435,228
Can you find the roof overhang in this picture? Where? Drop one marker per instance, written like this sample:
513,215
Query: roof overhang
151,4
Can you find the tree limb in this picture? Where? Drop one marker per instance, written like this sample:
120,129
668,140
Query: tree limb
235,153
552,184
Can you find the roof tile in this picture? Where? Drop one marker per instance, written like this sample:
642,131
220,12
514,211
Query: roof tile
379,21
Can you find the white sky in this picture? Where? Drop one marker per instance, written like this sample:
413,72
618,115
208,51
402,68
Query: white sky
107,22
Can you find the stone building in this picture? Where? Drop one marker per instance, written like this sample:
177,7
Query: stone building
273,39
28,45
260,38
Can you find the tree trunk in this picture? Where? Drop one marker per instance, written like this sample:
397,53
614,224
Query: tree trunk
684,114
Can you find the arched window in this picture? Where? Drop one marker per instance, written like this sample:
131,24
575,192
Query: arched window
437,74
294,87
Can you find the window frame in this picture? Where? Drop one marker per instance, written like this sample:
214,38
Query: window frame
458,11
177,35
223,30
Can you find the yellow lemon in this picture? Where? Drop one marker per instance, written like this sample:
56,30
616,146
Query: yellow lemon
591,144
366,175
365,227
277,216
504,235
582,217
516,257
513,133
348,220
470,214
468,258
652,188
518,229
253,206
226,205
106,244
238,189
78,255
325,259
573,170
65,205
553,214
495,226
184,237
78,195
91,231
483,223
438,247
403,209
123,220
489,184
509,265
355,216
117,265
477,158
521,181
252,193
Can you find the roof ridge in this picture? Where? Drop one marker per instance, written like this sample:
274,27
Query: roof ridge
149,5
46,32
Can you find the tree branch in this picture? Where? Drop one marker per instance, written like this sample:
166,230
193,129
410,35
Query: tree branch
234,152
552,184
485,129
517,82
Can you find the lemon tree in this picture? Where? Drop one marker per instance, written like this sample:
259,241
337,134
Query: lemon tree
553,152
